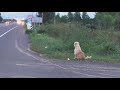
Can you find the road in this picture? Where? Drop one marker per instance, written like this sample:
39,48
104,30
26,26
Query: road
18,61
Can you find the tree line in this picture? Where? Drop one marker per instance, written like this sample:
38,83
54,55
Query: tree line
102,20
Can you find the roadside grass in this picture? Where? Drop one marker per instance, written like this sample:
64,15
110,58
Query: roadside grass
49,46
57,41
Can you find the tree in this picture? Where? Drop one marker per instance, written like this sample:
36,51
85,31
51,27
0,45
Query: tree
47,16
77,17
70,17
117,21
85,18
57,18
64,19
105,20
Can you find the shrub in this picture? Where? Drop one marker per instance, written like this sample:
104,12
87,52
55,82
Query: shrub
28,31
59,38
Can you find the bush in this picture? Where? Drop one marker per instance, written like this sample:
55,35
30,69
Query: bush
59,38
28,31
41,31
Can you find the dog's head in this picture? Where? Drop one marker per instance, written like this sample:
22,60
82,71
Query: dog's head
76,43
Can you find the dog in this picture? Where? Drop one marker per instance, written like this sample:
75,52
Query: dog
79,54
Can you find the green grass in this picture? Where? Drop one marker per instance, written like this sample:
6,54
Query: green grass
102,45
55,47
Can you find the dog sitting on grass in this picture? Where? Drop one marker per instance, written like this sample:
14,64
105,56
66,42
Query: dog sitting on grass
79,54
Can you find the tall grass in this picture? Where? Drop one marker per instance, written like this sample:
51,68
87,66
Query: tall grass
59,39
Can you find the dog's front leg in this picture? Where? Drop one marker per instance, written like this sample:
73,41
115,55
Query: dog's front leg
75,57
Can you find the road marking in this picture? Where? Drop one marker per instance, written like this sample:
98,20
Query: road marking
60,67
37,64
8,31
23,64
18,48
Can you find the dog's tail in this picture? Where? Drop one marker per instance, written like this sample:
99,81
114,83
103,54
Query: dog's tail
88,57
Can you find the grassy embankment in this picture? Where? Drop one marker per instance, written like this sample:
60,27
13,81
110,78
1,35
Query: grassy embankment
57,41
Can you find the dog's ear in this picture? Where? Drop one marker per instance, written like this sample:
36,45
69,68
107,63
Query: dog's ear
75,43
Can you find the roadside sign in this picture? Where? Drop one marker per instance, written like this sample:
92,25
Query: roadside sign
37,19
29,26
29,22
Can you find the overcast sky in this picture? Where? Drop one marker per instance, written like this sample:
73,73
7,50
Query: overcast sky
25,14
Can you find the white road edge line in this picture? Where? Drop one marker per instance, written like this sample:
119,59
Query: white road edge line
19,49
8,31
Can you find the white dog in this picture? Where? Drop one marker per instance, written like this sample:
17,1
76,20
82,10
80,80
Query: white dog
79,54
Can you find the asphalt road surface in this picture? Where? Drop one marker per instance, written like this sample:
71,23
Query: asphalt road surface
18,61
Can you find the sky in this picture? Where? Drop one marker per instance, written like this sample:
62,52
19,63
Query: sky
11,15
